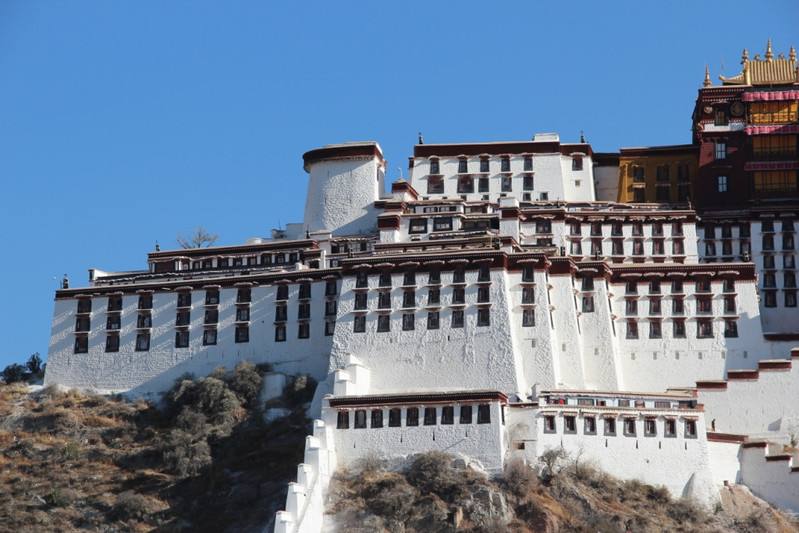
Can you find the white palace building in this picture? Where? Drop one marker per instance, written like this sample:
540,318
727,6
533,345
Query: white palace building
504,300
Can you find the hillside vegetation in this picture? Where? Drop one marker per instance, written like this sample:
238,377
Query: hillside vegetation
204,461
435,492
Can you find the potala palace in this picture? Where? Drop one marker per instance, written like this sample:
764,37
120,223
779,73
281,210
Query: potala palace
637,307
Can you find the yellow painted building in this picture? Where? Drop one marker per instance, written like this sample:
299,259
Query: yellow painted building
657,174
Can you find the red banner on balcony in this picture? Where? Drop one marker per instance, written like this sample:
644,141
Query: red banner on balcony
766,96
763,130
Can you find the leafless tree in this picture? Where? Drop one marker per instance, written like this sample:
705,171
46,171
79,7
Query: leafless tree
199,239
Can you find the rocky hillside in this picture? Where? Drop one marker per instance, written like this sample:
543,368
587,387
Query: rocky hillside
204,461
436,492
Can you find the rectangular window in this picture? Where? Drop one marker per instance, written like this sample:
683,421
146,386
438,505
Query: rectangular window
528,295
408,321
360,419
280,333
305,291
112,321
457,318
142,342
679,329
466,416
528,163
182,338
447,415
394,417
458,295
435,185
383,323
482,185
429,416
243,314
412,416
650,427
463,166
729,305
115,303
528,318
676,287
610,427
730,329
244,295
183,317
434,166
377,418
360,300
465,185
704,329
631,307
433,296
112,342
483,317
432,320
678,306
483,414
359,324
527,273
418,225
331,287
442,224
543,226
281,313
383,300
282,292
629,427
654,306
211,316
690,429
343,420
484,164
184,299
775,182
670,428
408,298
483,295
211,297
589,425
81,344
632,329
577,162
790,299
721,183
304,311
330,328
569,424
721,150
505,164
655,331
434,278
588,304
507,184
331,307
242,333
303,330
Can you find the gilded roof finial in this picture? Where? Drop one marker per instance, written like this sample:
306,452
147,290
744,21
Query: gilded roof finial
707,82
745,56
769,52
792,54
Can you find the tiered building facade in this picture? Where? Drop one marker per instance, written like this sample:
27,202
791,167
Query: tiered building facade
500,302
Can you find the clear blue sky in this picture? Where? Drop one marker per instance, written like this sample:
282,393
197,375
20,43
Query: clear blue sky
125,123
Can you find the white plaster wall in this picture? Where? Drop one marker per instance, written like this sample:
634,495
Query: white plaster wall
658,364
725,461
578,184
567,341
341,194
600,350
481,442
153,371
658,460
766,404
779,319
548,177
445,359
606,183
533,346
774,481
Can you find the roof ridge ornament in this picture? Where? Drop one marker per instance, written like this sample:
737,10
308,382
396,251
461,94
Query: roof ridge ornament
707,82
792,54
769,53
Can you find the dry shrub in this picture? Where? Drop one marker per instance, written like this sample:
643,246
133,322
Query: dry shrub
435,472
245,381
130,505
184,454
519,478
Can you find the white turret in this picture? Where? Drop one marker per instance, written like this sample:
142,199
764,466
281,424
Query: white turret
345,181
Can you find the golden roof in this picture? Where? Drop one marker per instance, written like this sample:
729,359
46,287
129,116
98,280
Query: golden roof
766,71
